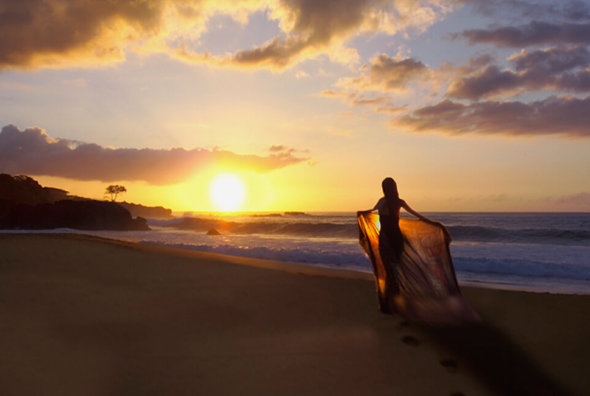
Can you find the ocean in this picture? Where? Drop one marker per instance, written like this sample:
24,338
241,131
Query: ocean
543,252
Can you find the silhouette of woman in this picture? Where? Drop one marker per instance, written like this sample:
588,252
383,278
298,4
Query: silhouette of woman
391,240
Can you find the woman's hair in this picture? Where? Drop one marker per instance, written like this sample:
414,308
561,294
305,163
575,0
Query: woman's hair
391,195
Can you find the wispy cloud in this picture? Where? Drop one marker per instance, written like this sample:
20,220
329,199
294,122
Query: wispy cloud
357,99
385,73
33,152
301,74
579,201
378,82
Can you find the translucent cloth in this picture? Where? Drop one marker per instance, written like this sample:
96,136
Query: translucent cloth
421,285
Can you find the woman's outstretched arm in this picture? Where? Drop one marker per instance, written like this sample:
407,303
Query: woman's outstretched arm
425,219
414,213
368,210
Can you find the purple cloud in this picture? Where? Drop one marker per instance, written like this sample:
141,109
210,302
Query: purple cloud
535,33
33,152
565,116
574,10
490,81
563,69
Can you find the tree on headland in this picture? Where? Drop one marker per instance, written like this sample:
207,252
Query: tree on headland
113,190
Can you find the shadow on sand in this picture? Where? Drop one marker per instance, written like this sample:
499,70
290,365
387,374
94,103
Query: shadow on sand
494,358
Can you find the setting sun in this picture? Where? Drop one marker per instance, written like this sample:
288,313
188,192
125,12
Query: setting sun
227,192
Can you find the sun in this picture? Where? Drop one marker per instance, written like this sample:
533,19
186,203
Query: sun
227,192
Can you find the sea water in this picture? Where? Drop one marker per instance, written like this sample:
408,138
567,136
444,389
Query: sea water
547,252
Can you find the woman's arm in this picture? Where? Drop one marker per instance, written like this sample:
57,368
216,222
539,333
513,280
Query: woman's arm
368,210
425,219
415,214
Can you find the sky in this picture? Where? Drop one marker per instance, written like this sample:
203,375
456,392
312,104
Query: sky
471,105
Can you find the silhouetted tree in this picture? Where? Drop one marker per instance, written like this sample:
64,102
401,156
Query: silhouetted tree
113,190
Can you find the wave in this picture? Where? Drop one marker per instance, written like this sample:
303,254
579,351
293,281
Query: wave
292,228
498,268
302,225
521,267
543,235
330,259
287,213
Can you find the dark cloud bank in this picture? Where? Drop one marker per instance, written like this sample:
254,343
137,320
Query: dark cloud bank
557,68
33,152
534,33
555,115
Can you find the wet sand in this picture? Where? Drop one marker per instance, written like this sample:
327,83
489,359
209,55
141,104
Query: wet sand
83,315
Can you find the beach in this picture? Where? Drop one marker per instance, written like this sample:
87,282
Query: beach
93,316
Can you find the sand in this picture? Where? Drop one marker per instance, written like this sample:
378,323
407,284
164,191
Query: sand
83,315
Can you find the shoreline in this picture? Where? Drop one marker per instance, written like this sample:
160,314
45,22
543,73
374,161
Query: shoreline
90,315
310,268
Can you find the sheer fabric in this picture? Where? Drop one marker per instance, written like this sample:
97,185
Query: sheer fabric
421,284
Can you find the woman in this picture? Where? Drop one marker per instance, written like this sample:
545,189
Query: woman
391,240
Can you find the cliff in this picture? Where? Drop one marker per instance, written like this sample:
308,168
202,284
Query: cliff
25,204
26,190
150,212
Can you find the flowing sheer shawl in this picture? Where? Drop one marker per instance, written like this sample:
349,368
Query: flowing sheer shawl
427,286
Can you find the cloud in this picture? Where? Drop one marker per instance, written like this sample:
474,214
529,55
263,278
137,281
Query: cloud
552,60
33,152
565,116
356,99
53,32
573,10
534,33
312,28
564,69
576,10
488,82
301,74
385,74
579,201
58,33
277,148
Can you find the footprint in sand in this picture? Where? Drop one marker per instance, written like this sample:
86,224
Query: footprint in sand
450,365
412,341
403,323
